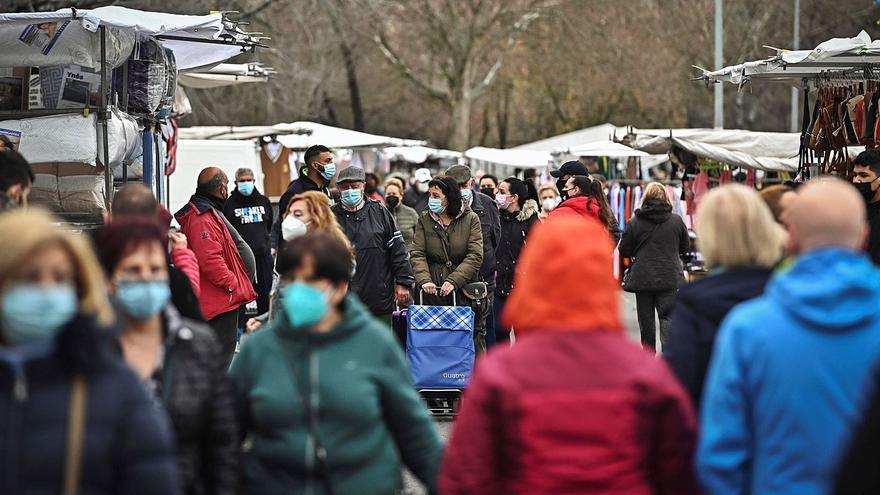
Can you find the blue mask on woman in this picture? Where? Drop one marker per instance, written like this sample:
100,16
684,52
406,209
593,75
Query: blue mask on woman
435,205
32,313
142,299
304,304
246,188
351,198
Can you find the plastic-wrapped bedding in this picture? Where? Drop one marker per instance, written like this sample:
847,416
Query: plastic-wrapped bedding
74,138
61,43
68,187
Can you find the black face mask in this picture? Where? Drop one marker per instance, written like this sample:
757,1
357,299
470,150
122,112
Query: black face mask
392,202
560,185
865,190
488,191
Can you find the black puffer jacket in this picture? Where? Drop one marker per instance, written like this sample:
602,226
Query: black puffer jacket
486,209
655,239
127,445
380,254
515,228
201,404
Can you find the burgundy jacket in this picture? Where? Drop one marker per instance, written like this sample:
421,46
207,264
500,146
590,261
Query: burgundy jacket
224,283
572,412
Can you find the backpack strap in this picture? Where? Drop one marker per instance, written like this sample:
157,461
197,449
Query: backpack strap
76,432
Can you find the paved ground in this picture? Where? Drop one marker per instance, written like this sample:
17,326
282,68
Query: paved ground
628,312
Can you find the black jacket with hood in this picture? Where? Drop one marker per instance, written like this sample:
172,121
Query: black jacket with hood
515,228
380,254
655,239
252,218
700,308
487,210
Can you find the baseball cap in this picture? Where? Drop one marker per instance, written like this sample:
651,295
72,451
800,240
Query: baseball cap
351,174
573,167
423,175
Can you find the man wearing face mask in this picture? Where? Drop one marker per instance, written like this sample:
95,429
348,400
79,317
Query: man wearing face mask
316,175
404,216
866,178
225,284
416,197
565,172
383,275
251,214
16,180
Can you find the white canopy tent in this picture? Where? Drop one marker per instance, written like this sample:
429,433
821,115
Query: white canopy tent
793,67
225,75
601,132
300,135
197,41
606,148
516,158
419,154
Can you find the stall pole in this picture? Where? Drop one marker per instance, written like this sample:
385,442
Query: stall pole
103,116
148,155
719,61
795,121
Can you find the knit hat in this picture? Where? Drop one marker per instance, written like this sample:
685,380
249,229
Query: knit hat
562,283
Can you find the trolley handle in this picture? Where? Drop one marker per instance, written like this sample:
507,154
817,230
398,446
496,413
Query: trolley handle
422,297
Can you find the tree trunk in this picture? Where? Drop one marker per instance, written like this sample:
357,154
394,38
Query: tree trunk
460,123
357,108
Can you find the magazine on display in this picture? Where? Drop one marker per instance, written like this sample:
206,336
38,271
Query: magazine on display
79,89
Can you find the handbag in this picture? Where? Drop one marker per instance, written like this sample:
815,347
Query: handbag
76,432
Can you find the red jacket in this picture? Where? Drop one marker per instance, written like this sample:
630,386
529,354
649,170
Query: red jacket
572,407
582,206
224,284
185,260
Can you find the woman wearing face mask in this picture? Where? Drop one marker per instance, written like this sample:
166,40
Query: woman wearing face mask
550,199
74,415
178,360
448,247
326,397
518,216
404,216
489,185
586,198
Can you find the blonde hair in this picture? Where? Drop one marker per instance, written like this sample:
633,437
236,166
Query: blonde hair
735,228
394,181
33,230
322,216
548,187
656,191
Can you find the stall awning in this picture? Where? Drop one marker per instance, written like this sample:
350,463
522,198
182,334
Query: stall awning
300,135
606,148
225,75
518,158
197,40
419,154
792,66
602,132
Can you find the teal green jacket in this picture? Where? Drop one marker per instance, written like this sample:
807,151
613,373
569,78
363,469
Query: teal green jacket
359,395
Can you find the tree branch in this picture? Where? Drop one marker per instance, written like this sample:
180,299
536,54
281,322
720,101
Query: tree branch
428,88
519,27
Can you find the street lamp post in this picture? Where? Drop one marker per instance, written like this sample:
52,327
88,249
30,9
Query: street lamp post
796,45
719,60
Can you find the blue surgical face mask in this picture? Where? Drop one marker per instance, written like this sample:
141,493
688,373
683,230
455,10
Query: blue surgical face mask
304,304
351,197
246,188
436,206
329,171
466,195
143,299
33,313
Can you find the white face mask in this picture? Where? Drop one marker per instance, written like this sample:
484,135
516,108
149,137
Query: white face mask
293,227
549,203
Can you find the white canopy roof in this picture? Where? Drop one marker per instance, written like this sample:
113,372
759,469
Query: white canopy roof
606,148
225,75
838,54
519,158
210,29
419,154
602,132
299,135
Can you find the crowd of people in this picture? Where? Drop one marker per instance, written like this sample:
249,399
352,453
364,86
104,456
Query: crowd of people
131,363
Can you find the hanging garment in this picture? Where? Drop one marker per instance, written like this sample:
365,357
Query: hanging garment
751,177
275,159
628,205
621,208
700,188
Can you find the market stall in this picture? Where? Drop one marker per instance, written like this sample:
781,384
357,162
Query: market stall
83,93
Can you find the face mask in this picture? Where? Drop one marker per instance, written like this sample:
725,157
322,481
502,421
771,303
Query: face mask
305,305
351,197
865,190
143,299
488,191
422,187
293,227
466,195
436,206
392,202
560,185
502,200
33,314
246,188
328,171
549,203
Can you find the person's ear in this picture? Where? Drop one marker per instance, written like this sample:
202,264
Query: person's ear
339,294
14,192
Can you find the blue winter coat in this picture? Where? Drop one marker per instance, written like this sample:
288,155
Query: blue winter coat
699,310
790,373
127,447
